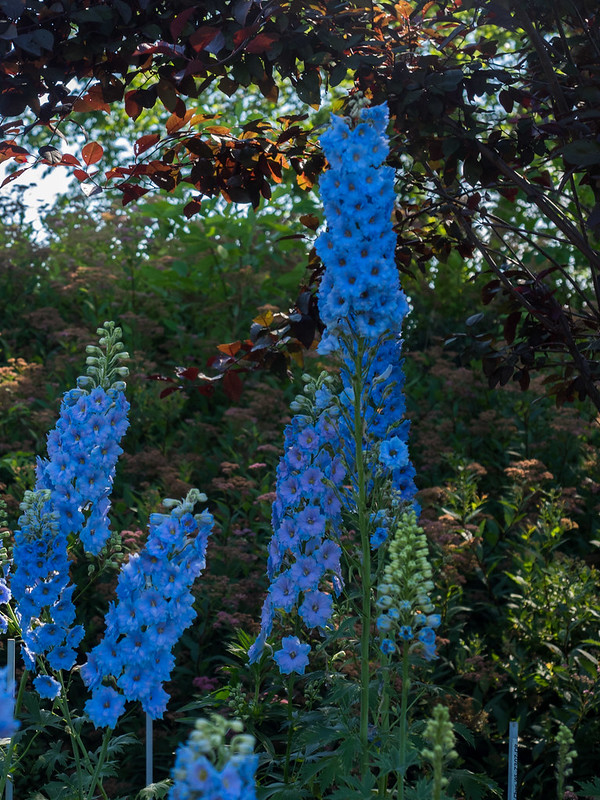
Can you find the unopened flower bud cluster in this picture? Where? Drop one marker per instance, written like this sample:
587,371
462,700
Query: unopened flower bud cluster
104,368
566,753
209,769
440,735
406,611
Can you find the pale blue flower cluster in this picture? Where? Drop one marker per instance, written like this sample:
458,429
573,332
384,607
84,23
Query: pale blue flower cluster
232,777
70,500
155,605
360,299
359,294
40,586
306,516
5,596
362,305
83,450
8,724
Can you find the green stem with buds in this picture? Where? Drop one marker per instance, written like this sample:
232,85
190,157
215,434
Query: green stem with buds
363,526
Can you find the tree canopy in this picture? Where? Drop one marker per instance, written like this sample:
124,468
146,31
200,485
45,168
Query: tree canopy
496,134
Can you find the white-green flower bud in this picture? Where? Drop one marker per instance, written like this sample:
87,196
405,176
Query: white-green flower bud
440,734
243,744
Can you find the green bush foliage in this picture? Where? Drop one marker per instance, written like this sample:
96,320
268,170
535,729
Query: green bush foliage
508,482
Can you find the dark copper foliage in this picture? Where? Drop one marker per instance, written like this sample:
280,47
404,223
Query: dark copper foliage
471,127
179,49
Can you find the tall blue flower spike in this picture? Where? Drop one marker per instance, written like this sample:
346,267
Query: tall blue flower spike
155,605
362,305
84,446
360,297
304,554
70,499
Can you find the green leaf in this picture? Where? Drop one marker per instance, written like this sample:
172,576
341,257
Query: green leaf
589,788
155,790
281,791
582,153
308,87
119,743
464,733
475,786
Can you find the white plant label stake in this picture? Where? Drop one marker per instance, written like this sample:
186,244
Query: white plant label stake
513,736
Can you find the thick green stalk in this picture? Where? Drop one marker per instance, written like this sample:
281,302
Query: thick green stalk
437,780
384,717
403,718
290,709
101,759
73,735
363,525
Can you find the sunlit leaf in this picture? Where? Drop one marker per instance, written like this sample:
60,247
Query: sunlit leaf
145,143
92,152
264,319
230,349
92,100
202,37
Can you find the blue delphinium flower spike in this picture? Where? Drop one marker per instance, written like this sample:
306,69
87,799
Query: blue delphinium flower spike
304,553
360,296
155,605
84,446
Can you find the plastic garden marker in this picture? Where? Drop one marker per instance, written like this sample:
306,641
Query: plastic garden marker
513,736
10,677
148,749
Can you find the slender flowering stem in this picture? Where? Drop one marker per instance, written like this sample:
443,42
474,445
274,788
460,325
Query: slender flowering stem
384,715
101,758
290,710
78,745
403,717
76,742
363,524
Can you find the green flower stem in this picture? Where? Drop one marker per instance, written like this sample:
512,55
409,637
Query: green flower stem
437,780
17,761
78,745
566,755
363,525
384,716
403,717
99,765
76,742
290,735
